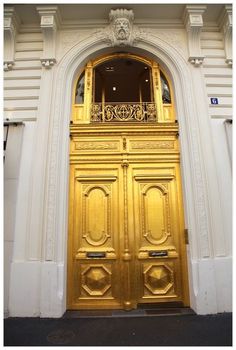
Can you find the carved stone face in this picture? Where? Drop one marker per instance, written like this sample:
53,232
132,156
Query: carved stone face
121,28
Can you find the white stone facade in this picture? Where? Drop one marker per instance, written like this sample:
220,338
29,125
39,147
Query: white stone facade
45,48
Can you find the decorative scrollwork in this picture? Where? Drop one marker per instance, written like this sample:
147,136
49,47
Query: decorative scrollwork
151,112
138,112
96,112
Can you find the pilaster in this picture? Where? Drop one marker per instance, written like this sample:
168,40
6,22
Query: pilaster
36,227
225,24
11,23
194,22
49,23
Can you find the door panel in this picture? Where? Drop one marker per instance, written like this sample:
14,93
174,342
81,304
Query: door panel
157,231
95,238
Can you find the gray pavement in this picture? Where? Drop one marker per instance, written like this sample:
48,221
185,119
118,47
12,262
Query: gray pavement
137,328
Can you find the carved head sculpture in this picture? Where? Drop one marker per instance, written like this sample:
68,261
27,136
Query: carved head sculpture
121,28
121,22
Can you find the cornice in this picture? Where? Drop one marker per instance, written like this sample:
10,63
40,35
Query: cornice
30,28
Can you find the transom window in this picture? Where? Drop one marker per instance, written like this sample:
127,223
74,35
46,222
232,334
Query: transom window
122,88
122,80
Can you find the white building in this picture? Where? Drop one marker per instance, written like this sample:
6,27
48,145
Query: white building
46,49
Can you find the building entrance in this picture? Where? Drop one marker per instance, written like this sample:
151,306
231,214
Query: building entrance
126,230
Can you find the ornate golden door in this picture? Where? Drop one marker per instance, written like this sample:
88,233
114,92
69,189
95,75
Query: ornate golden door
126,229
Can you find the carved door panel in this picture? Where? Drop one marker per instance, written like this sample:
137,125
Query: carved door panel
158,229
96,229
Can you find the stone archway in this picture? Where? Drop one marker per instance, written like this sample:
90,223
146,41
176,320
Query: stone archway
179,71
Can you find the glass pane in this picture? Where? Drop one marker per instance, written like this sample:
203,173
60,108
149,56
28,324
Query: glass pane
165,90
145,85
79,91
122,80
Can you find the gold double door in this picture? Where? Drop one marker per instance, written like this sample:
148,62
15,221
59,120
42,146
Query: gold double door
126,232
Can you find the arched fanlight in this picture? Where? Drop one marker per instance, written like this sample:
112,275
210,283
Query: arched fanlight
122,87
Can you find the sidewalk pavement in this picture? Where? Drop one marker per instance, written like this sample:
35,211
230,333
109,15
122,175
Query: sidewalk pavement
120,329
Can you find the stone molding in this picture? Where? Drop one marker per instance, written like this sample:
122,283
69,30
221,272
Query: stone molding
49,22
194,22
11,25
69,39
226,23
120,31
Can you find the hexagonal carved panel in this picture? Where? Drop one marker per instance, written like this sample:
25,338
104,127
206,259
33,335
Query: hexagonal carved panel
96,280
158,278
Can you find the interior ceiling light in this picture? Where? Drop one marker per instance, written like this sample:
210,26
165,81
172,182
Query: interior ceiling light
114,88
146,80
109,69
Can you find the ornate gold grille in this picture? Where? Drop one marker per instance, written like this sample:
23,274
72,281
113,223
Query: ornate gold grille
124,112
